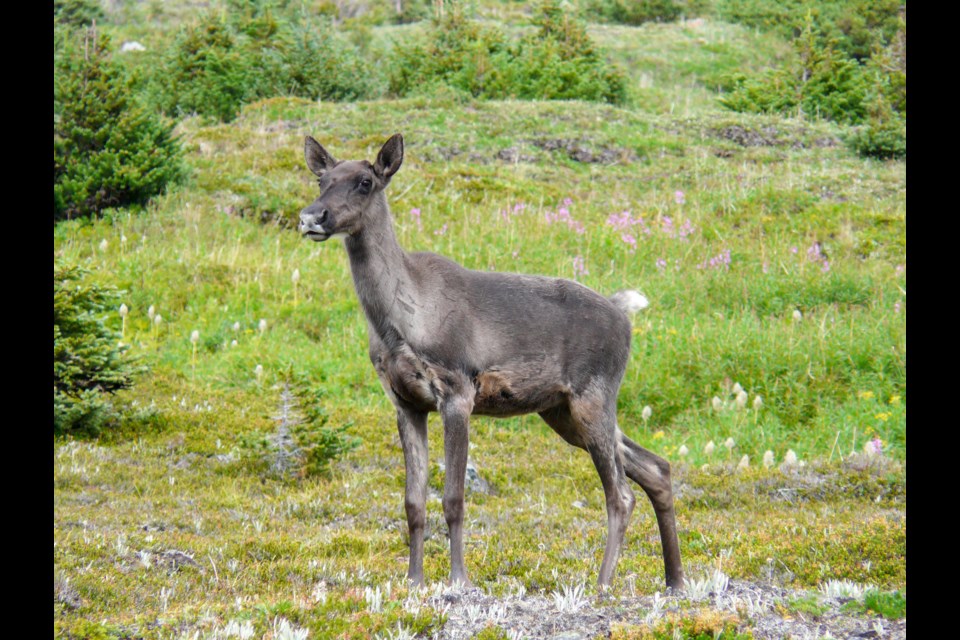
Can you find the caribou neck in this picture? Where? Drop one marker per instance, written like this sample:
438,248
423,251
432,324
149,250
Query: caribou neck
380,272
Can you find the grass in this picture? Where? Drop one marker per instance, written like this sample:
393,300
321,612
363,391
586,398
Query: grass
773,259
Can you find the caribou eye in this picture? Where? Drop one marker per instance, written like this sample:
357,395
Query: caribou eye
365,184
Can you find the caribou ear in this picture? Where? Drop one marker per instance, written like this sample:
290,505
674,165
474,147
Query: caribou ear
390,157
318,160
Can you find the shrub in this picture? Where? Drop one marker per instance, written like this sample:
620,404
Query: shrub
561,62
108,149
818,80
633,12
302,444
219,64
77,13
557,62
205,72
882,139
313,60
88,364
855,27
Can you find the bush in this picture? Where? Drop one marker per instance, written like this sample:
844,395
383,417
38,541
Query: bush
633,12
818,81
77,13
302,444
108,150
88,364
882,139
219,64
855,27
313,60
557,62
206,72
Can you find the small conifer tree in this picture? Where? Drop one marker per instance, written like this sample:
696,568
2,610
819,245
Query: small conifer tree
88,362
108,150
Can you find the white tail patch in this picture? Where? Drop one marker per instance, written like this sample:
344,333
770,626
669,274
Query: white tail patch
630,301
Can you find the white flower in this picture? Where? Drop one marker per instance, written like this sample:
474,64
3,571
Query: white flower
157,319
797,316
709,448
296,276
683,451
123,239
757,403
123,311
263,326
741,400
737,389
790,458
104,244
151,312
236,326
646,413
717,403
258,371
195,336
233,343
767,459
744,462
729,444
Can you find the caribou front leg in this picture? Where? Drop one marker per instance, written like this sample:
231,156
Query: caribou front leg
456,437
413,438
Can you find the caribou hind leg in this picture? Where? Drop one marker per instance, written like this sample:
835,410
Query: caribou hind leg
591,426
652,473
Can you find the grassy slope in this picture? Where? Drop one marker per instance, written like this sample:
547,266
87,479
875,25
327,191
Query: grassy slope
168,529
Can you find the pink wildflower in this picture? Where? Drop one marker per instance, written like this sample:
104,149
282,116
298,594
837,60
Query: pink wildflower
679,197
579,267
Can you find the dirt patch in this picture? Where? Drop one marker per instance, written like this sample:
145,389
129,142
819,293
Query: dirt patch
771,136
580,151
552,616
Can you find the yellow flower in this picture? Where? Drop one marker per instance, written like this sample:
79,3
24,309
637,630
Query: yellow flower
895,401
865,395
658,435
882,416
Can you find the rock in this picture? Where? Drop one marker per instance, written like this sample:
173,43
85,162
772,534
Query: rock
132,45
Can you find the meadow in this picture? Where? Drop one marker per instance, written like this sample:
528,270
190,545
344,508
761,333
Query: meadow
769,368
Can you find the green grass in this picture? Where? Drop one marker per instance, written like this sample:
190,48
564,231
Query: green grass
166,527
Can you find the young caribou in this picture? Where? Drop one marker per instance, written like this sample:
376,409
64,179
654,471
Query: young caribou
459,342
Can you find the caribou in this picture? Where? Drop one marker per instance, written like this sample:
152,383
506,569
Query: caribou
446,339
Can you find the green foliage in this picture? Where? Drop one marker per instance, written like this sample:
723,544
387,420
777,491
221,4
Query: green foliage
633,12
224,61
808,605
884,136
77,13
818,81
557,62
88,364
205,71
889,604
706,624
303,444
855,26
314,60
491,632
881,139
108,150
